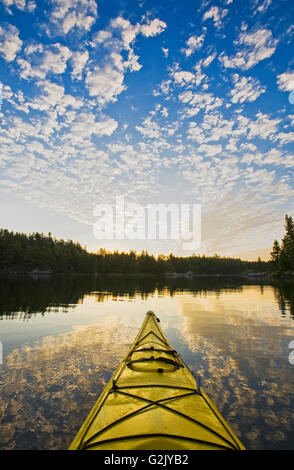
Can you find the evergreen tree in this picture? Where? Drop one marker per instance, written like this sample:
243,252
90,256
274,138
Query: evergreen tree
24,253
287,247
276,252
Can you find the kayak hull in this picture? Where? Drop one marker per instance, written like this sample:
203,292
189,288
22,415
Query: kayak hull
153,402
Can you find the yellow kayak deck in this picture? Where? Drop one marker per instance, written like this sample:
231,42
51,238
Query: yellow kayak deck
153,402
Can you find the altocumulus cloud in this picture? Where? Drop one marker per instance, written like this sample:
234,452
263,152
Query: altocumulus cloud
152,103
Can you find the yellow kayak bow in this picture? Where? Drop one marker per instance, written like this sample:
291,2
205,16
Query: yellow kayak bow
153,402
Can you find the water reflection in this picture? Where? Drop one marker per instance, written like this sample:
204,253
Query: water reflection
67,335
46,389
285,297
244,364
28,295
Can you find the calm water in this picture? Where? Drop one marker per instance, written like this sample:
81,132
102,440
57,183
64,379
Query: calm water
63,337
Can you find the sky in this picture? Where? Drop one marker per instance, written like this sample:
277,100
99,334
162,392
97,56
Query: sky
186,102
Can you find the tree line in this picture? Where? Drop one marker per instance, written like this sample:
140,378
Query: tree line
20,252
282,255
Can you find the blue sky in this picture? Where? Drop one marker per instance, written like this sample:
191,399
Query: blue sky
165,101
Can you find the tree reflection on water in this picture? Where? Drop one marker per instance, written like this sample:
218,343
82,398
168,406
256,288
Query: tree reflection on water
233,332
34,295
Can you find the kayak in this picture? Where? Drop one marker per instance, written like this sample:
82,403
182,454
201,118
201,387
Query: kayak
154,402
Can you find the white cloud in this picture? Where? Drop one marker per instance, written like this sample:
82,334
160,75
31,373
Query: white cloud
195,133
255,47
105,83
155,127
249,146
262,177
211,175
286,81
206,62
78,62
200,76
217,127
120,147
50,96
216,14
10,43
274,157
213,128
279,158
193,44
183,77
249,158
165,51
262,6
132,63
85,125
72,14
164,112
153,28
31,6
187,80
51,58
102,37
69,101
263,126
231,146
106,127
284,137
210,150
246,89
164,87
198,101
128,32
22,5
73,20
239,217
149,129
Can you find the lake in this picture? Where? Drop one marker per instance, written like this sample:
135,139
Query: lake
63,337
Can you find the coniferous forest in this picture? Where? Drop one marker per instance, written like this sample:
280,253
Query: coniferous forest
22,253
282,255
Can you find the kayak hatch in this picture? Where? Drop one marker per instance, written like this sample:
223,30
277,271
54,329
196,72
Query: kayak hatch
153,402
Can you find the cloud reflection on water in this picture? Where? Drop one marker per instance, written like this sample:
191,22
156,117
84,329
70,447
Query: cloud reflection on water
70,341
48,389
240,349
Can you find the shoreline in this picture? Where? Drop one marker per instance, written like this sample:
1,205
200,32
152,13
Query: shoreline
166,276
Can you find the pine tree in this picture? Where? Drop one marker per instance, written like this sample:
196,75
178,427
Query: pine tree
287,246
276,252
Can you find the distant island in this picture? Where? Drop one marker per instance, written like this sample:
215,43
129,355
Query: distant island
39,254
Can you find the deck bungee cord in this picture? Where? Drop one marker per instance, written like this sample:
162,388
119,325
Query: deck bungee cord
154,402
